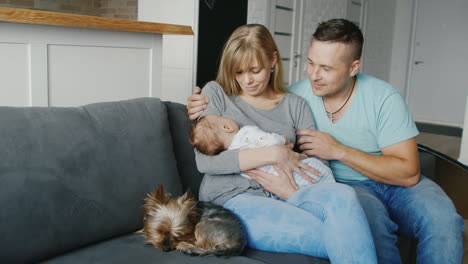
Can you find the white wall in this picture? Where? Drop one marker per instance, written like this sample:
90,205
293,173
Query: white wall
378,38
179,52
464,142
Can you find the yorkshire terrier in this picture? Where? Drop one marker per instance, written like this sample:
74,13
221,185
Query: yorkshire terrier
195,228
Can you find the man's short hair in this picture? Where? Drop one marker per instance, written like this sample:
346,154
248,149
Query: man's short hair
342,31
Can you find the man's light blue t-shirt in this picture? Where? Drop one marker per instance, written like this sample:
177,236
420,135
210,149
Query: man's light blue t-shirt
377,117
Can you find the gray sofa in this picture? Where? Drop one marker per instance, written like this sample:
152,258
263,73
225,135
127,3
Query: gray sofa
72,182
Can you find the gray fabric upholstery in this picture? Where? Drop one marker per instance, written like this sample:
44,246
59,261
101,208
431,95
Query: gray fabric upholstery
180,126
131,249
74,176
72,182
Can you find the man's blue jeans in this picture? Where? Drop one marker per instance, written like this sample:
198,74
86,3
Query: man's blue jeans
323,220
423,212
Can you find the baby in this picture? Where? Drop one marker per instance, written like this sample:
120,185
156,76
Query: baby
213,134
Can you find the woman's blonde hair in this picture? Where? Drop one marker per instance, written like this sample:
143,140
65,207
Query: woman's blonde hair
246,43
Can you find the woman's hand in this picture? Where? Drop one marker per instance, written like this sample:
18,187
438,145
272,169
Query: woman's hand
280,185
289,161
285,161
196,103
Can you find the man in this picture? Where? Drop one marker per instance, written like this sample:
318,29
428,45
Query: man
368,134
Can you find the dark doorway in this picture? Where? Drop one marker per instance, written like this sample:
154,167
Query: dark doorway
217,20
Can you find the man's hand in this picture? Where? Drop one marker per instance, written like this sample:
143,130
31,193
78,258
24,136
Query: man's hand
196,103
398,164
281,185
319,144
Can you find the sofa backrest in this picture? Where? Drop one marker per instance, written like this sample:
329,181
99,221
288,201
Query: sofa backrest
74,176
180,126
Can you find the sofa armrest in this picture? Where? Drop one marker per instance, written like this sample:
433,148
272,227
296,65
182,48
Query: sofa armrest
450,174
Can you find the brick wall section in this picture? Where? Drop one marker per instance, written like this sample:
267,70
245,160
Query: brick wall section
17,3
125,9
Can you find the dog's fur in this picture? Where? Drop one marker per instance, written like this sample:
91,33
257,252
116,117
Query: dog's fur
195,228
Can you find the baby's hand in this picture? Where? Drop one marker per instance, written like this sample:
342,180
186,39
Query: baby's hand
286,141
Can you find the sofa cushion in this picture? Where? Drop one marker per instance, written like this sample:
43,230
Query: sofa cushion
74,176
132,249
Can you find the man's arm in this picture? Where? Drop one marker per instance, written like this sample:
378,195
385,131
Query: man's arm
196,103
398,164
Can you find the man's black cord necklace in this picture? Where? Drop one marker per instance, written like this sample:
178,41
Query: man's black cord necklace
347,99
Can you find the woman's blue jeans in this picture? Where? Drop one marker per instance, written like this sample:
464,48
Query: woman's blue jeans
323,220
423,212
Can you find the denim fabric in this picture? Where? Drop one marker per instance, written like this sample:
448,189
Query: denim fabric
423,212
323,220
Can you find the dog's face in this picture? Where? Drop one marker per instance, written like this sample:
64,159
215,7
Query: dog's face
169,221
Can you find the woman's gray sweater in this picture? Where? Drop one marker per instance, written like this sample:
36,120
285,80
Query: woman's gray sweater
222,180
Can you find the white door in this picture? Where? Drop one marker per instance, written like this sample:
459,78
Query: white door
286,27
438,79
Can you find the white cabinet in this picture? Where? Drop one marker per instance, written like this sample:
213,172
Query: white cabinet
59,59
60,66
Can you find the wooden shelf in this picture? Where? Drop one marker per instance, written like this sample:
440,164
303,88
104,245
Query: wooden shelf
28,16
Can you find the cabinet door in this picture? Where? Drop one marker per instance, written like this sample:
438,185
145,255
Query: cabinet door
286,27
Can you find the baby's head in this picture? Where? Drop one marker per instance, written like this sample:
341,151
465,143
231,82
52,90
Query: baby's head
212,134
